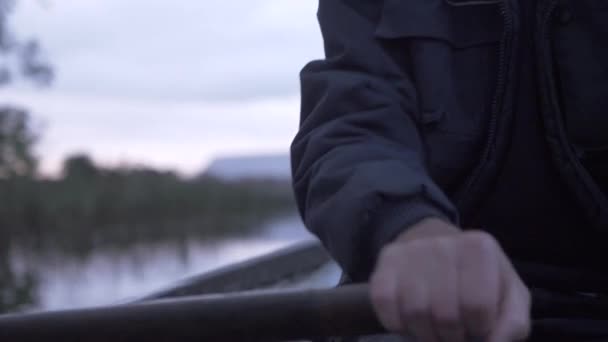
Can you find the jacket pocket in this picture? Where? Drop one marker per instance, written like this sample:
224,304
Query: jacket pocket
450,50
581,61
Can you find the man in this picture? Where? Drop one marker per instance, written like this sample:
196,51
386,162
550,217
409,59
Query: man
431,116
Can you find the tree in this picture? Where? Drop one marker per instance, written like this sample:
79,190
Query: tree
27,53
18,58
16,143
79,166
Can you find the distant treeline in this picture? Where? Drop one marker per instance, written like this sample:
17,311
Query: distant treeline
90,206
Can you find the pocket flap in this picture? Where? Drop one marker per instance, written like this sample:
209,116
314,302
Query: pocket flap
461,23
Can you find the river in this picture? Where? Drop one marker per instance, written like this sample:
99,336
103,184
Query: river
107,277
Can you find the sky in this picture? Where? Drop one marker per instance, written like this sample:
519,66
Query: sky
169,84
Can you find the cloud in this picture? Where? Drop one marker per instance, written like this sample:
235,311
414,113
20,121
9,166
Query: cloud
169,134
183,49
169,84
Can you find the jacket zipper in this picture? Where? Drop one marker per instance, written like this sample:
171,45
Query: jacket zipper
468,195
551,98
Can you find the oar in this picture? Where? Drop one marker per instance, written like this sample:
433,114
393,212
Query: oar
263,316
268,316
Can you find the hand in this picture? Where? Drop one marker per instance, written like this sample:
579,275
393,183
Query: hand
438,283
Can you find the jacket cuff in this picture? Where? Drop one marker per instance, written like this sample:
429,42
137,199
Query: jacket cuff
393,219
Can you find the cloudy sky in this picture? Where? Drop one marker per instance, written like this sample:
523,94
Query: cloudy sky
171,84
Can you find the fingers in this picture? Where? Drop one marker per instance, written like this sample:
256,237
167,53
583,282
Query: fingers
414,304
479,284
445,298
419,295
383,292
514,322
400,296
449,288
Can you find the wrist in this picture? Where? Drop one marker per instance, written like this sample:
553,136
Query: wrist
428,228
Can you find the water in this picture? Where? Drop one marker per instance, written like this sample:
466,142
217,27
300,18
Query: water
107,277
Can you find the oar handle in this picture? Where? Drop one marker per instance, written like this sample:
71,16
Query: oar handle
265,316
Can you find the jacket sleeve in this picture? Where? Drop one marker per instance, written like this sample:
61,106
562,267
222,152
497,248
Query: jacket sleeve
358,162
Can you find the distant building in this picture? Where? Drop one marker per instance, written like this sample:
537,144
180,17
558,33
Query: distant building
276,167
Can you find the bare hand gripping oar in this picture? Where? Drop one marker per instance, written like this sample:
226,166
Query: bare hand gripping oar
264,316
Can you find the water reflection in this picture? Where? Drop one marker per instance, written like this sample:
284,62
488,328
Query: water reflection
31,281
18,290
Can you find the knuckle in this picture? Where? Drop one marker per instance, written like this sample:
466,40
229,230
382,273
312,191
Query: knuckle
381,298
481,242
478,314
526,297
477,309
525,291
414,312
446,318
443,246
520,325
379,276
389,253
483,299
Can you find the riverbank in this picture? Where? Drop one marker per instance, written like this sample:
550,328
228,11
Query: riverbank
108,277
80,214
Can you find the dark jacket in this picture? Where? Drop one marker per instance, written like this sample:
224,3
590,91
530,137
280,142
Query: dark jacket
410,113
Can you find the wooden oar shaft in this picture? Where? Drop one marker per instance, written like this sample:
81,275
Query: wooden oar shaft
238,317
266,316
